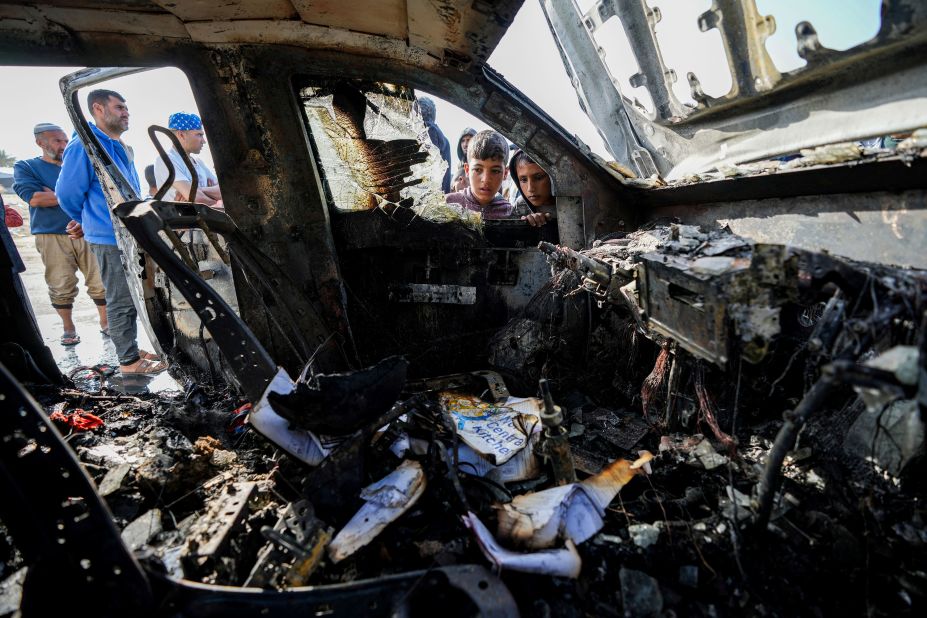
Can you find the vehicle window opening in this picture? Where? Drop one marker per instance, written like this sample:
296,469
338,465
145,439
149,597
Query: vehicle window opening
702,55
373,149
854,24
622,65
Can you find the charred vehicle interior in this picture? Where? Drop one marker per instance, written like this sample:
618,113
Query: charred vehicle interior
394,407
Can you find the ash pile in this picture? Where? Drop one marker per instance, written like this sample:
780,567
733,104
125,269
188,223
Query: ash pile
681,423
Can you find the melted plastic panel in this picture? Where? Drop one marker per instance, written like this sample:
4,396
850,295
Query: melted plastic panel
374,151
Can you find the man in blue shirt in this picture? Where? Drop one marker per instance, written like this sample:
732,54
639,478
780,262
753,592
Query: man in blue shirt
81,197
57,237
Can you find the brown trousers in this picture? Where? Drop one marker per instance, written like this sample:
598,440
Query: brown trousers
63,257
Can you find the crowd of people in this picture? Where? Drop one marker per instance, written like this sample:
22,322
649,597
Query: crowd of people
70,218
484,169
71,222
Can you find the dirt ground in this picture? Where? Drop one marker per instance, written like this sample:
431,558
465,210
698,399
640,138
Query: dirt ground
94,348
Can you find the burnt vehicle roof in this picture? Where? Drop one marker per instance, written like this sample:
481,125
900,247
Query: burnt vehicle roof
767,111
455,32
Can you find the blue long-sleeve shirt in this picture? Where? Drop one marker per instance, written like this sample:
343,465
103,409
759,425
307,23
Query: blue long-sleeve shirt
79,192
34,175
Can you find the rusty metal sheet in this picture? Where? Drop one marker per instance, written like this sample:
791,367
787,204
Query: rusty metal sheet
385,17
304,35
470,30
212,531
209,10
887,228
124,22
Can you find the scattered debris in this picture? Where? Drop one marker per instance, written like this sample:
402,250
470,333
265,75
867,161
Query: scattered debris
640,594
891,436
113,480
827,155
644,535
542,519
80,420
914,146
557,562
784,404
141,531
11,592
695,450
386,500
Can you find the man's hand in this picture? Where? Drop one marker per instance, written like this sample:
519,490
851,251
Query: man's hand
74,230
537,219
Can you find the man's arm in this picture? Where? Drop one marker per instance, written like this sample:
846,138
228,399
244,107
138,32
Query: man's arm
74,181
30,188
214,192
45,198
183,193
211,185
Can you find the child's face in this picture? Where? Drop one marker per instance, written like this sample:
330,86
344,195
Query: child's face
486,176
534,183
465,143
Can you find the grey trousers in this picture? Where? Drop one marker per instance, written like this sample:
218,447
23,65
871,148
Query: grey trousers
120,311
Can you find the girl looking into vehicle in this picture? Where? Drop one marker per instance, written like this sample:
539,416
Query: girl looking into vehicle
536,203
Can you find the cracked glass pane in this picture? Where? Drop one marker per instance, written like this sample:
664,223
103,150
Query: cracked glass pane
374,152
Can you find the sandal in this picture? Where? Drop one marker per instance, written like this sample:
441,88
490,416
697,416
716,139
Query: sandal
145,367
68,339
148,355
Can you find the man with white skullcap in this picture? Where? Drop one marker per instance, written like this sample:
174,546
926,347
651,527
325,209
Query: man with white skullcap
58,238
189,131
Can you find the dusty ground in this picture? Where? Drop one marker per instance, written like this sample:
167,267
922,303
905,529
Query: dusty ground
94,348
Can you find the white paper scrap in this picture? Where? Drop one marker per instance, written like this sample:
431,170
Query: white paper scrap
524,465
387,499
564,562
496,431
302,444
539,520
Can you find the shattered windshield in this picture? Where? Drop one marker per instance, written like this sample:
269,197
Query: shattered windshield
374,151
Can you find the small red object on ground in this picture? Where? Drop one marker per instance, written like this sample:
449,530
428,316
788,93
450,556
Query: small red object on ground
81,420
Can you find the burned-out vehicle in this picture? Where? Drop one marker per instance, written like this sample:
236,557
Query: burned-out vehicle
700,391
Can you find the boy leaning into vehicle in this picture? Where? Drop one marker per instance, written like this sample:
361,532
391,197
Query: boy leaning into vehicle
486,169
